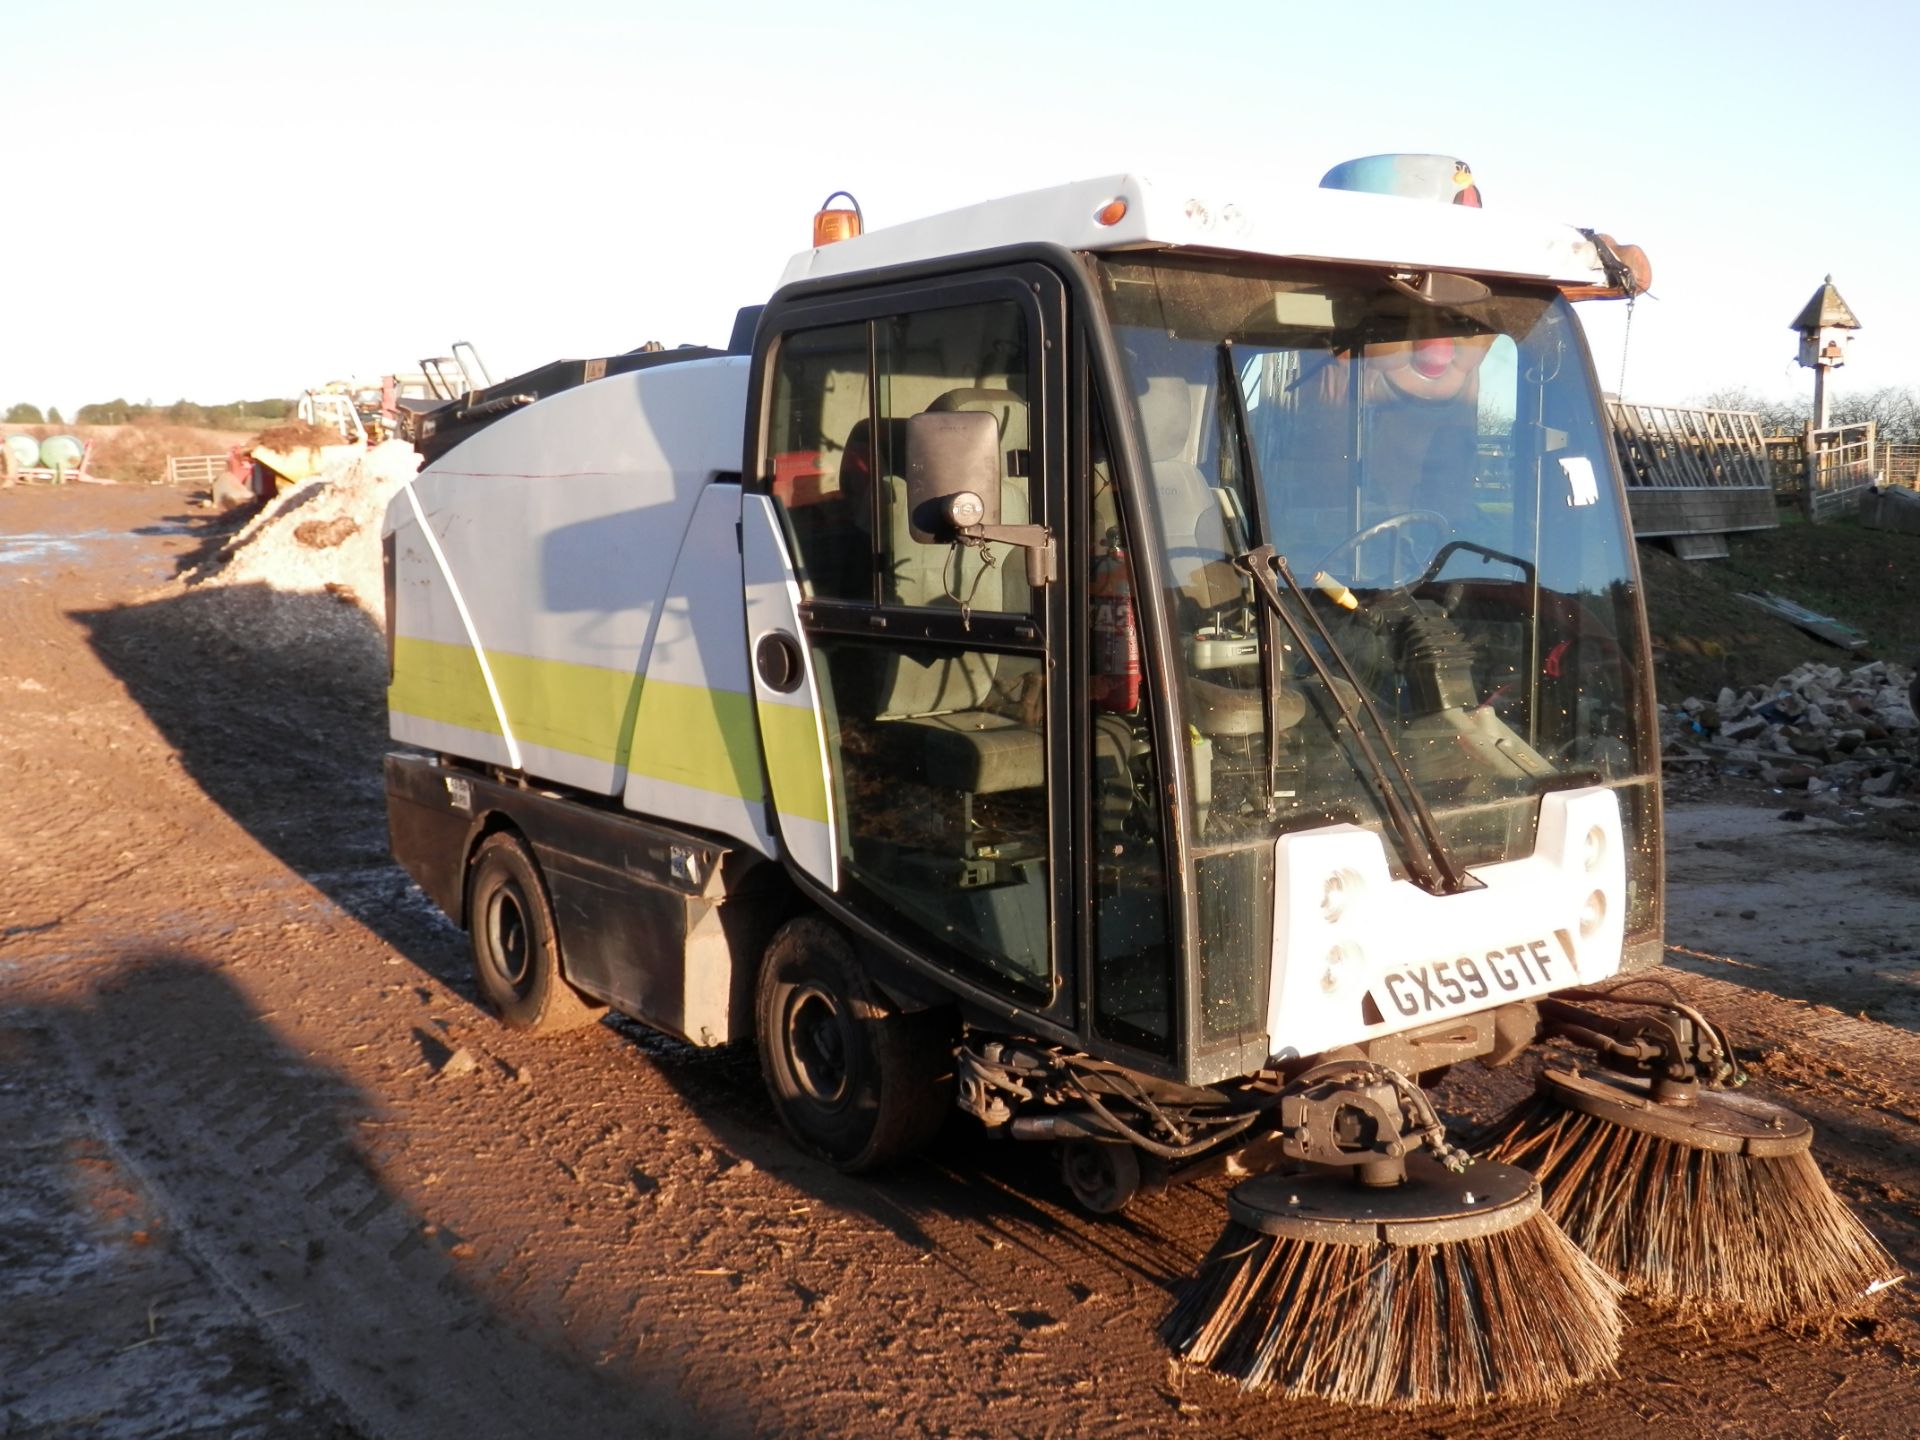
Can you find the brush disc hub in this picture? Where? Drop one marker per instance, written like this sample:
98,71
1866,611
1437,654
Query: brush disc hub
1433,1207
1724,1121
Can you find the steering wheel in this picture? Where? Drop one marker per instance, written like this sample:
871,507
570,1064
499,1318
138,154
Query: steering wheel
1441,526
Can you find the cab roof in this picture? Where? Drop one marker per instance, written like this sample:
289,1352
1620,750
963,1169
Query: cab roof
1229,218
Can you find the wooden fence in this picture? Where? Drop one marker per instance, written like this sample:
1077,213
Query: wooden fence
1787,463
194,469
1842,463
1900,465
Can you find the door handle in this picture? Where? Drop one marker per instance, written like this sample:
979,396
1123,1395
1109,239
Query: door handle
777,658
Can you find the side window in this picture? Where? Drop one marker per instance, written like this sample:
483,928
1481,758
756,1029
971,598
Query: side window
939,765
821,455
1133,974
967,358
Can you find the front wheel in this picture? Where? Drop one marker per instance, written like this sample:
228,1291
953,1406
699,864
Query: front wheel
854,1081
516,952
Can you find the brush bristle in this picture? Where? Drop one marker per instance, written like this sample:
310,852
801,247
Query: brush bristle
1520,1315
1762,1237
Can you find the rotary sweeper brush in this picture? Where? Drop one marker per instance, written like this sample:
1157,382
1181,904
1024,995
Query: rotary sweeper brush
1393,1271
1699,1197
1161,669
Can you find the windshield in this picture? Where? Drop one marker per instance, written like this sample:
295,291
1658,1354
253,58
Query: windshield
1438,480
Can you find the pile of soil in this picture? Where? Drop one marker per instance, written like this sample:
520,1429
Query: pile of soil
297,435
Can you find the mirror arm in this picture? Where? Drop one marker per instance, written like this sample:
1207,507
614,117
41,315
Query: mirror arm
1043,564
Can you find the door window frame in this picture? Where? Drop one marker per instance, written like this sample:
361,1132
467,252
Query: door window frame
1088,401
1041,293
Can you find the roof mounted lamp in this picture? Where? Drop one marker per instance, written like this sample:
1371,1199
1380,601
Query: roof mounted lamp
831,224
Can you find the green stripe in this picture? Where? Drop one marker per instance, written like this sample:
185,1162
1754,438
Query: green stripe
440,682
690,735
663,730
792,739
581,709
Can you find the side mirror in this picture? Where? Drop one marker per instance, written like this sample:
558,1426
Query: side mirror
951,453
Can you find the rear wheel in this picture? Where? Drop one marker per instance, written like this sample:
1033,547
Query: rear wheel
855,1082
516,954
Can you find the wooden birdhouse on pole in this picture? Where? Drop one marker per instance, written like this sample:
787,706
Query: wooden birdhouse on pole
1826,324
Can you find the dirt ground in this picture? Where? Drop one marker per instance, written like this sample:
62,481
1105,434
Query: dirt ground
269,1172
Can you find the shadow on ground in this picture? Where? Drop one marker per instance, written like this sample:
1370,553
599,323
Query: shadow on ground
223,1152
276,704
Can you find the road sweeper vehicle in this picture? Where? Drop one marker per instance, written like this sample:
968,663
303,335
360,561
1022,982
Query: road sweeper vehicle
1158,668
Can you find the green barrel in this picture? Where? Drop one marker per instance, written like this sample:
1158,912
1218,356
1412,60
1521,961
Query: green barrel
61,452
23,452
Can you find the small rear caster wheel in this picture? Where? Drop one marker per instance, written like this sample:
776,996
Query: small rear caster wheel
1104,1175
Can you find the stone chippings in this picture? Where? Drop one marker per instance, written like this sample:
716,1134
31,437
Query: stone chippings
1837,734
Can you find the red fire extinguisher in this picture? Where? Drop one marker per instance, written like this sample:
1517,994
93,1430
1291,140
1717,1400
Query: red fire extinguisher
1115,680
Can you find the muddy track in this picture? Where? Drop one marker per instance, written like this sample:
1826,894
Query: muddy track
394,1219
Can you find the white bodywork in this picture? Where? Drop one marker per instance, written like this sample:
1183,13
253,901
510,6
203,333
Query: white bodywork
1335,225
773,609
568,598
1345,931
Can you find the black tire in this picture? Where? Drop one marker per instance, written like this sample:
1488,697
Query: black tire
855,1082
1103,1176
516,953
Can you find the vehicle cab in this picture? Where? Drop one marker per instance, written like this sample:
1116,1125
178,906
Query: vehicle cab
1200,628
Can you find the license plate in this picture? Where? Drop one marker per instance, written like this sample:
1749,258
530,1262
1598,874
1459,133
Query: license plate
1471,982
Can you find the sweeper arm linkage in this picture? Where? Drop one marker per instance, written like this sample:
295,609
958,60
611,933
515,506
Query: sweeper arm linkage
1670,1044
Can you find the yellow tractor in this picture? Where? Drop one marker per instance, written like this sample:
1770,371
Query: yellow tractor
326,428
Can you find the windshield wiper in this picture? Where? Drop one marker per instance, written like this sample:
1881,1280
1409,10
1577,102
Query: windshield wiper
1412,821
1272,700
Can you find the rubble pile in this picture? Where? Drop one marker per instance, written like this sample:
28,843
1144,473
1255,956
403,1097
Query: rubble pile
305,572
323,535
1840,736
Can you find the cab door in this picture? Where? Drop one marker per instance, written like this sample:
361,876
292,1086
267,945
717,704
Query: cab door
927,795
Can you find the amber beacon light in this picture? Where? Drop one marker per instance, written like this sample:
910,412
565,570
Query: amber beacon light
831,223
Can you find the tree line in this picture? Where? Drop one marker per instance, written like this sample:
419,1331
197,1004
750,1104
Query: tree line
30,415
1895,410
234,415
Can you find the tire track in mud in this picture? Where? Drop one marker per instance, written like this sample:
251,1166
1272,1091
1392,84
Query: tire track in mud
110,1324
487,1233
264,1156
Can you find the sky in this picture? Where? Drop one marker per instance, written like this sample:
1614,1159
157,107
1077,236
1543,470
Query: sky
218,200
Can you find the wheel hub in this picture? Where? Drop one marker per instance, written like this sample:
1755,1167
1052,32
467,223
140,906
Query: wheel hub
512,949
1103,1175
817,1045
